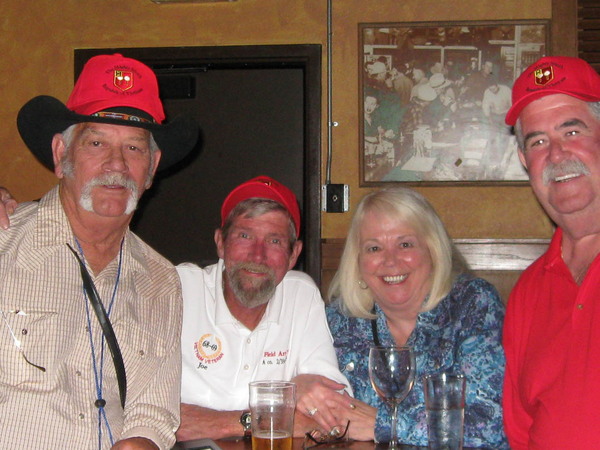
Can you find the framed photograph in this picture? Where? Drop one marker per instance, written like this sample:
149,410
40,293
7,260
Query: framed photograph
433,97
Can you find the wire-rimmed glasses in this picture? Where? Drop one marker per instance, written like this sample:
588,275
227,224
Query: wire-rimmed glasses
316,438
17,343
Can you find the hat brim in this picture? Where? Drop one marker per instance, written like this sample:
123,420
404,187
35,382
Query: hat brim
446,83
513,113
42,117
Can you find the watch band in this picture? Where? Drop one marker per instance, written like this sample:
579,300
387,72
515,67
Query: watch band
246,421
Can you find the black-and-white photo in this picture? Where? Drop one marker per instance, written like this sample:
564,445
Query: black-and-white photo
434,97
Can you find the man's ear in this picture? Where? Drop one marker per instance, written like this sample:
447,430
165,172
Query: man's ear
522,158
157,155
295,254
220,243
58,152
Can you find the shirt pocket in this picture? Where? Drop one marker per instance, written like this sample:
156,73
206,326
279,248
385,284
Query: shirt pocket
143,351
40,341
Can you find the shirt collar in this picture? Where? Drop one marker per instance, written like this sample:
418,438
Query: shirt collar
53,231
553,257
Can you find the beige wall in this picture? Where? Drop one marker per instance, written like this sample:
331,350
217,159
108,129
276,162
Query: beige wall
38,38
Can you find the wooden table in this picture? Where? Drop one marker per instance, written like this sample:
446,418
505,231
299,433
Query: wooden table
245,444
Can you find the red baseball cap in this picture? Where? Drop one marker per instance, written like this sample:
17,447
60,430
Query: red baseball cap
263,187
107,81
554,75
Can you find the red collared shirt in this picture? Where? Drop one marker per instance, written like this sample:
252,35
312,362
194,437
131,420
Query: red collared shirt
552,344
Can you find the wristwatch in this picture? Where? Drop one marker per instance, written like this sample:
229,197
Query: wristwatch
246,421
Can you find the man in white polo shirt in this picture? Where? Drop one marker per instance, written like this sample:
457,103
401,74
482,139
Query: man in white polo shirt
250,317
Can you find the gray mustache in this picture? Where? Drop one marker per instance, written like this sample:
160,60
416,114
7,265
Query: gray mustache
569,166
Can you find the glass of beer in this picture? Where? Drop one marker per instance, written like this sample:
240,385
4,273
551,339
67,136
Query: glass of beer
272,405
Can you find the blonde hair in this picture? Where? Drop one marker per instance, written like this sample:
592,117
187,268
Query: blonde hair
411,208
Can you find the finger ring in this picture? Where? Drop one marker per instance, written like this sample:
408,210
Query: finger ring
312,412
334,432
352,406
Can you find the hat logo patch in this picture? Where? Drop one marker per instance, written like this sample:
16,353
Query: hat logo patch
543,76
123,79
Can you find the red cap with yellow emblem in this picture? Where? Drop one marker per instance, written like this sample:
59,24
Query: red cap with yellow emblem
113,80
554,75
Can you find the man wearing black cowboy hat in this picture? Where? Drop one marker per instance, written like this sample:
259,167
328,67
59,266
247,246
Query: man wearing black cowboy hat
90,315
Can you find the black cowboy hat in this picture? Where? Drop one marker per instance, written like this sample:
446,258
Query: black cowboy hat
111,89
42,117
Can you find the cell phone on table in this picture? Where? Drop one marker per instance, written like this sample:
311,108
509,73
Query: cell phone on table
197,444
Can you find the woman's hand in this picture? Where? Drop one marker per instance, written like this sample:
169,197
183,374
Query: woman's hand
7,207
316,396
361,416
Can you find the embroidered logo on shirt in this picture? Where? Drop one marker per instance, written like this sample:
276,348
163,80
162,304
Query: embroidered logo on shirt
208,350
275,358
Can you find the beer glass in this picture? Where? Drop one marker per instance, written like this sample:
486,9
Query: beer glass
272,405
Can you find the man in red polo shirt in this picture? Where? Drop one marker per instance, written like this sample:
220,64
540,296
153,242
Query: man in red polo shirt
551,329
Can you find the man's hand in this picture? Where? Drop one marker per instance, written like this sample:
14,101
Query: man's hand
137,443
7,207
198,422
317,395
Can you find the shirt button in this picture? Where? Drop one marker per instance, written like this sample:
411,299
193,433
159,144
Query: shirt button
24,331
579,306
141,352
248,340
78,373
246,367
82,416
350,366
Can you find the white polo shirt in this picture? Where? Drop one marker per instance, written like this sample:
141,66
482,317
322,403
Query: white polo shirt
220,356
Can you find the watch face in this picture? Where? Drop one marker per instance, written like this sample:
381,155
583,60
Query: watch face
246,420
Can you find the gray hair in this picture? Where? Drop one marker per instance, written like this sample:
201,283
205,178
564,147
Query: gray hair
594,109
69,134
255,207
411,208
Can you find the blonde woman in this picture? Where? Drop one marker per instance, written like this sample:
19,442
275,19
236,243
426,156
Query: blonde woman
402,282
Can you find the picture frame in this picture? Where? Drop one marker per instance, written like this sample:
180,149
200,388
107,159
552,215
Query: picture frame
433,96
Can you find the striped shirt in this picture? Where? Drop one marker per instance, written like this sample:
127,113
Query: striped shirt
43,301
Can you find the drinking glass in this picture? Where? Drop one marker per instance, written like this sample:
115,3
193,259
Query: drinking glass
272,405
392,374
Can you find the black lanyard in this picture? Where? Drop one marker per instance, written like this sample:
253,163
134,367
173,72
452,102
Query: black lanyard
375,333
107,329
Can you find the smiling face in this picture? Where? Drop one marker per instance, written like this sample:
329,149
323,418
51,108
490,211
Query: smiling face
106,168
395,263
562,155
257,256
371,104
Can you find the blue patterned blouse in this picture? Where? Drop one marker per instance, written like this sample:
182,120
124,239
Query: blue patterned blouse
462,334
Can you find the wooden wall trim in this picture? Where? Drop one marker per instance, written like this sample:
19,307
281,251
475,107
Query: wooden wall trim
501,254
564,28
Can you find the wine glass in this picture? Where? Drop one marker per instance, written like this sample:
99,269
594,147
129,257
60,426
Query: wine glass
392,374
